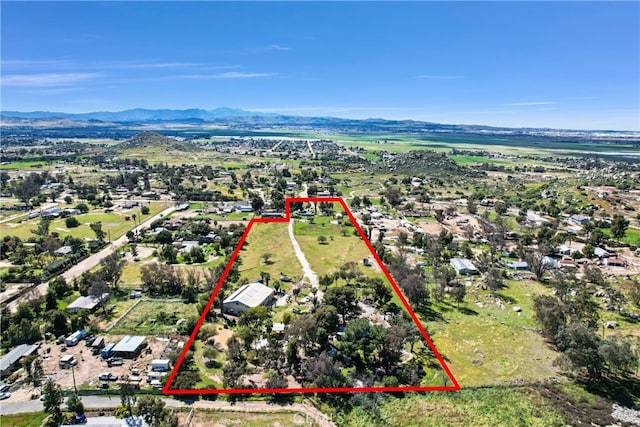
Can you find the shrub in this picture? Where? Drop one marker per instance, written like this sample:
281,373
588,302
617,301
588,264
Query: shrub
72,222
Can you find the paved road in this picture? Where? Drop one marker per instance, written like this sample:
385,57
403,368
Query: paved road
91,261
110,402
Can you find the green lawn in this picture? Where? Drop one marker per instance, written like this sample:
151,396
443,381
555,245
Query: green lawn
33,419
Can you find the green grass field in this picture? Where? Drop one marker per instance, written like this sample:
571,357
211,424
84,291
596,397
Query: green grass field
270,238
338,249
480,407
491,346
114,224
33,419
144,319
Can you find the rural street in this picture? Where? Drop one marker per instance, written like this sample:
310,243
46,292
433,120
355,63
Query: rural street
111,402
91,261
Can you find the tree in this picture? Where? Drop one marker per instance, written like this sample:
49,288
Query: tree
344,300
325,280
43,227
618,355
154,412
111,271
50,300
323,371
169,254
145,210
68,199
458,293
71,222
536,262
74,404
257,203
550,312
580,346
127,396
53,398
96,227
393,195
322,240
60,287
619,226
266,257
99,289
413,287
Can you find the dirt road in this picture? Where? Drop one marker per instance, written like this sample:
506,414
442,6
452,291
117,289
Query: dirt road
306,267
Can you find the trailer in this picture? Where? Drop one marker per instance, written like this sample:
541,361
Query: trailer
106,352
160,365
67,361
75,337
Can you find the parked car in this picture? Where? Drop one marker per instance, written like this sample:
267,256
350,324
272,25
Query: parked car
5,395
104,384
108,376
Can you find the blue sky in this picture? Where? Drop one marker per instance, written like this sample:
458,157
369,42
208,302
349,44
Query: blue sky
539,64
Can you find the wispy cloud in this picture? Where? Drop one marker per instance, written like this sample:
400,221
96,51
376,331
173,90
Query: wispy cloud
438,77
29,63
530,104
277,47
47,79
230,75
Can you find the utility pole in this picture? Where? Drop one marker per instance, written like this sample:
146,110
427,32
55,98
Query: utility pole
73,373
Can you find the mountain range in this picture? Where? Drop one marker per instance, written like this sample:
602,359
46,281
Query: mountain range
140,114
235,117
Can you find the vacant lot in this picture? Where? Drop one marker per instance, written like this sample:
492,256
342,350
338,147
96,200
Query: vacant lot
253,419
487,345
154,317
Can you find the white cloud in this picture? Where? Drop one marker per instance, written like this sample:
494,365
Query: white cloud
47,79
277,47
230,75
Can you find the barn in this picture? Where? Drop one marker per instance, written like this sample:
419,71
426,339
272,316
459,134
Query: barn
248,296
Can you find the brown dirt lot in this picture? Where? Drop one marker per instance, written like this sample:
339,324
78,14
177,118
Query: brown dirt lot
89,367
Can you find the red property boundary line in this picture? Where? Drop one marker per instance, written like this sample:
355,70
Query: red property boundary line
166,390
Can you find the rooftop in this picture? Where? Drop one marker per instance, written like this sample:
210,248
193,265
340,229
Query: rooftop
89,302
14,355
251,295
129,344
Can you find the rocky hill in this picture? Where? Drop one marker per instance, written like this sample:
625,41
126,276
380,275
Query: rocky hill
420,162
157,141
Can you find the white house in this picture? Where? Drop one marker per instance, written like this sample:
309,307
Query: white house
248,296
